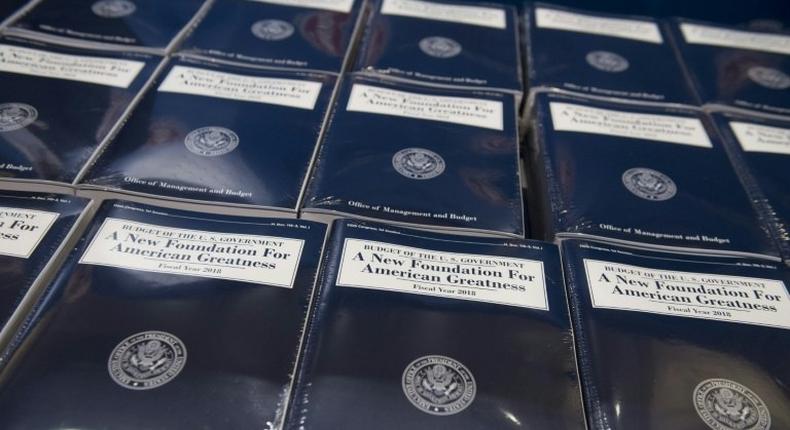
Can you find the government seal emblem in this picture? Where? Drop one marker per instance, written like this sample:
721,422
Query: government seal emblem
272,29
211,141
439,385
727,405
418,163
649,184
113,8
769,78
14,116
147,360
440,47
606,61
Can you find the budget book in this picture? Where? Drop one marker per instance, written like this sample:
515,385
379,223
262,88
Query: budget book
218,138
424,157
35,231
736,68
668,341
603,55
291,34
131,25
166,319
456,44
425,331
58,107
652,177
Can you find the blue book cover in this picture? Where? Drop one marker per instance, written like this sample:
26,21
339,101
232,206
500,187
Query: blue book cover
760,147
448,43
164,319
603,55
415,330
58,106
34,231
294,34
150,25
430,158
668,341
656,177
218,137
735,67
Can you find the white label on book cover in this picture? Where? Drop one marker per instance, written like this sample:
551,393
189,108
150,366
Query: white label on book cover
717,36
643,31
762,138
479,278
462,14
661,128
111,72
343,6
735,299
210,83
457,110
21,230
239,257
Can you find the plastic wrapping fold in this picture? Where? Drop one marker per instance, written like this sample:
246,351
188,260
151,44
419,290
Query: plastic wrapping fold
9,9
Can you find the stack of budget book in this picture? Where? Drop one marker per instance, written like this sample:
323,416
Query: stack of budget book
388,214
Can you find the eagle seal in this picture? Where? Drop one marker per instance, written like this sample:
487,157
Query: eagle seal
769,78
440,47
211,141
418,163
272,29
147,360
15,116
439,385
113,8
649,184
606,61
727,405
